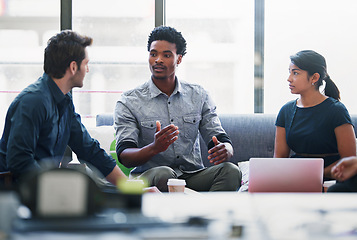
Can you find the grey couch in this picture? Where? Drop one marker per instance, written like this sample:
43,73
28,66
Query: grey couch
252,134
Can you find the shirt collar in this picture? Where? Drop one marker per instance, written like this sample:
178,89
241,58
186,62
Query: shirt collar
56,92
154,91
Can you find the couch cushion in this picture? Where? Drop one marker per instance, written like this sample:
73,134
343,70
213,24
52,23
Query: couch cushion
252,135
104,119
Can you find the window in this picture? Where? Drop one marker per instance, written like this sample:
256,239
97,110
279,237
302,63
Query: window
226,40
118,56
24,31
220,49
326,26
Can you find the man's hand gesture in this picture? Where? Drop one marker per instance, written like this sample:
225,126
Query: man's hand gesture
220,152
164,137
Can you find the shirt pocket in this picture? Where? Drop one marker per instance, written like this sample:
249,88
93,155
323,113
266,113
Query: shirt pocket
148,129
190,125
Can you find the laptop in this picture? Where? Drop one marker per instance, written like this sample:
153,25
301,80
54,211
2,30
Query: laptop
285,175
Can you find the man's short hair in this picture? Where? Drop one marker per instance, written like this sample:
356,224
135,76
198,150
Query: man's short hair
62,49
168,34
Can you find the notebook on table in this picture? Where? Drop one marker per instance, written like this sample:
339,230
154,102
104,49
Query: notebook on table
285,174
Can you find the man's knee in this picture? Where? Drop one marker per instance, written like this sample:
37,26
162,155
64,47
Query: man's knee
158,177
338,187
350,185
232,169
165,172
232,175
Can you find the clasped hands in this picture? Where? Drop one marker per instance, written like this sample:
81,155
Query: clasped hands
166,136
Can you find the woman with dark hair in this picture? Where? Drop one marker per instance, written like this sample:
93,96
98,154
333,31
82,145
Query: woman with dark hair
315,124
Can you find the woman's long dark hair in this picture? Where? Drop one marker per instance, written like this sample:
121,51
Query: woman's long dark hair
312,62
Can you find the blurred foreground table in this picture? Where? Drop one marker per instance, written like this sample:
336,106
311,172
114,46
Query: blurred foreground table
263,215
232,215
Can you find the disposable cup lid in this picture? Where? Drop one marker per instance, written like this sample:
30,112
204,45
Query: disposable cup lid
176,182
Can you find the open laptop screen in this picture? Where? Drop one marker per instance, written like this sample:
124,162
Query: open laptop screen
285,174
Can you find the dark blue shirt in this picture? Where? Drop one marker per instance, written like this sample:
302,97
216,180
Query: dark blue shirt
311,130
39,124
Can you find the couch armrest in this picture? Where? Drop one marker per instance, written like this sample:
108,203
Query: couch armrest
104,119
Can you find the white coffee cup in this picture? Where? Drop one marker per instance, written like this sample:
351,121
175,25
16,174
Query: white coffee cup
176,185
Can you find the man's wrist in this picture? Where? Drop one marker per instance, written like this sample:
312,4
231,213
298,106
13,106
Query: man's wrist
151,150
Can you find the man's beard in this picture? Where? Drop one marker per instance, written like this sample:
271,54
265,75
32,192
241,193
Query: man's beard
158,77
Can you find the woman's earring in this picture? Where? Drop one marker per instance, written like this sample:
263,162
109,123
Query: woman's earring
313,83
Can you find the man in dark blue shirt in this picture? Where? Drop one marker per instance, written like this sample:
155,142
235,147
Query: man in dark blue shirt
41,121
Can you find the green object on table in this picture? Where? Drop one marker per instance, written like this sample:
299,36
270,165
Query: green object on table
132,186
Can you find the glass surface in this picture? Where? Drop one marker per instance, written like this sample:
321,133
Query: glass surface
118,56
24,30
326,26
220,53
220,49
